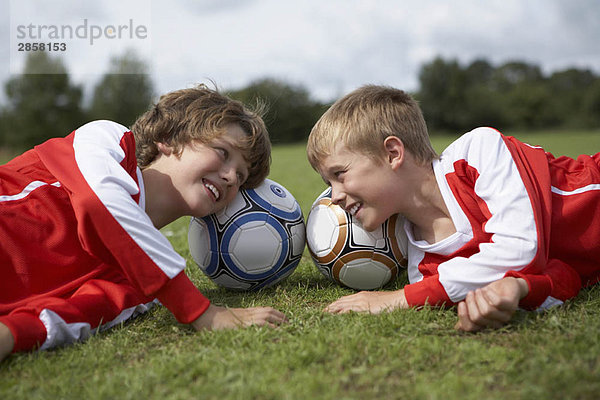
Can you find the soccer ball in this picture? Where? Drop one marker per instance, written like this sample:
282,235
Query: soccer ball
346,253
255,242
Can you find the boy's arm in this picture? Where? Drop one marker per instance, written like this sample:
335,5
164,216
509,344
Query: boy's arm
502,187
491,306
557,283
494,305
370,302
216,318
96,164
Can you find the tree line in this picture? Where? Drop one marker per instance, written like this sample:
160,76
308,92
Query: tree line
514,95
43,102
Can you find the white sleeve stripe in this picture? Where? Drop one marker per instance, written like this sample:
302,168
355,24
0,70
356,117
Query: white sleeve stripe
114,187
512,225
588,188
27,191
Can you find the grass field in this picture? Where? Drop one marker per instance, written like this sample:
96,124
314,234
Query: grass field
405,354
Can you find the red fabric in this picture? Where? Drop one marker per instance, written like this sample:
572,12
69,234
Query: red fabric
428,291
62,249
575,236
99,232
567,226
27,330
95,302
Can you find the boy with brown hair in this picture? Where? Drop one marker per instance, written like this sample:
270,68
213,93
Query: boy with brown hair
489,211
80,219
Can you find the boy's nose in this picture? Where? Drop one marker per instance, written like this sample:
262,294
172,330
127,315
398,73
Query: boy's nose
229,174
336,196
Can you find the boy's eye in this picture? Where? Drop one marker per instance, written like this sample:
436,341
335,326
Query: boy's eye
241,179
224,153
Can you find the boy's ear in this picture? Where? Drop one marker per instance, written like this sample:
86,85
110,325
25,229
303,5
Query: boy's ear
394,151
164,149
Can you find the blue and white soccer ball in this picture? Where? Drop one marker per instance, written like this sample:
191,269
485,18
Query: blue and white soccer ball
255,242
349,255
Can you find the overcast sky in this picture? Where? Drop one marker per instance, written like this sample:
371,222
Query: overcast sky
328,46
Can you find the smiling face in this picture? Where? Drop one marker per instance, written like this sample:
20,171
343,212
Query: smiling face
363,186
204,178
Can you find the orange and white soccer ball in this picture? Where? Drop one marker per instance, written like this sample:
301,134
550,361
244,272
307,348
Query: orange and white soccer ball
349,255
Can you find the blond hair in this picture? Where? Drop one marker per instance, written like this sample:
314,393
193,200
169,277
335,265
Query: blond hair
363,119
201,114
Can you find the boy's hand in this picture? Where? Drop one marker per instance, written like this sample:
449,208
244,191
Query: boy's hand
491,306
216,317
369,302
7,341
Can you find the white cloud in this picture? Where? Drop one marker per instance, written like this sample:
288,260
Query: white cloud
329,46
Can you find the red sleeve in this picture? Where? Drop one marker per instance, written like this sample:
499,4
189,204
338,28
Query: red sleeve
427,291
183,299
532,164
558,280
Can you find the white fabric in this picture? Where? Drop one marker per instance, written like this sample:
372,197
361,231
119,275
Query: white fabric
576,191
550,302
98,155
27,191
499,185
60,333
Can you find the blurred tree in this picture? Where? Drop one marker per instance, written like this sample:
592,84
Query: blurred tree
4,130
513,95
529,105
483,105
291,113
569,88
591,105
479,72
42,103
515,73
124,92
442,95
526,98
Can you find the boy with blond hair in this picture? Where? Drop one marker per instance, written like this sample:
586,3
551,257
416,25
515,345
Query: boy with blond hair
80,219
489,211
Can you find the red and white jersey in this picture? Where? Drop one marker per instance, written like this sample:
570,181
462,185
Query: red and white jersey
517,212
71,210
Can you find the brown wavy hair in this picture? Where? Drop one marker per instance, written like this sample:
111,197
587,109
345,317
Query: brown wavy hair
201,114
